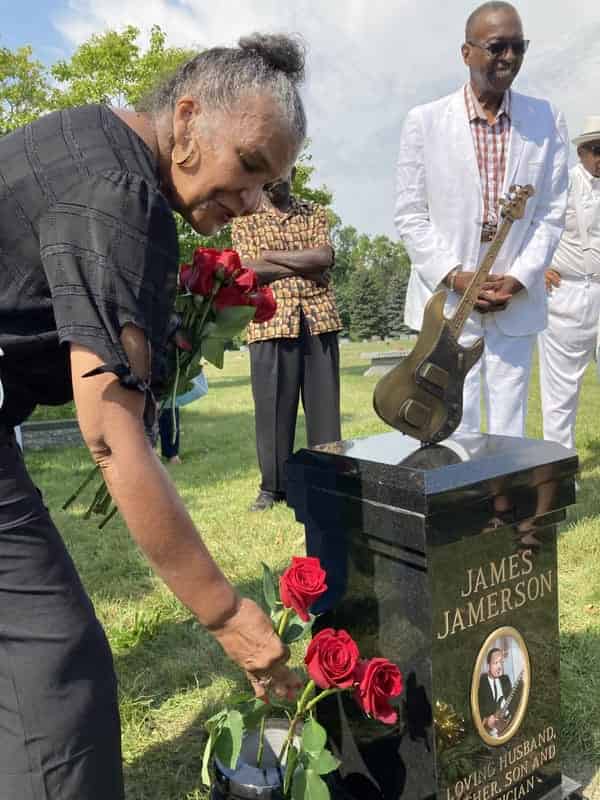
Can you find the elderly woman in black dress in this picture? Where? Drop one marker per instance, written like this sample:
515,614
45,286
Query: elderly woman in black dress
88,265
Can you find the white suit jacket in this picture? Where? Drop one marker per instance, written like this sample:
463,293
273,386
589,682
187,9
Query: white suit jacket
439,205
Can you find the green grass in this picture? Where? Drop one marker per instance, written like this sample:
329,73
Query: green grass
172,675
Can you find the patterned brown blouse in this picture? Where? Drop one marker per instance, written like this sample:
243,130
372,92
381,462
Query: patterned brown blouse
305,226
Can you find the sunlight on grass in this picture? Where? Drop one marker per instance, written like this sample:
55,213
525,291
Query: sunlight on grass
172,674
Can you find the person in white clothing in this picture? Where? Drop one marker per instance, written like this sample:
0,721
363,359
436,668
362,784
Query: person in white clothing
458,157
569,342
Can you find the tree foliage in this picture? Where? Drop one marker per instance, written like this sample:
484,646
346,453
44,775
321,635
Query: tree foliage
24,88
111,68
368,274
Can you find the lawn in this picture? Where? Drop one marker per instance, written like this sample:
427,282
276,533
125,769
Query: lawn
172,675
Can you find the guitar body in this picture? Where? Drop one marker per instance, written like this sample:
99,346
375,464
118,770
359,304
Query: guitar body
422,396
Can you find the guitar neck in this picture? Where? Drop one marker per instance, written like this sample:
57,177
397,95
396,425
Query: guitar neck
469,298
513,691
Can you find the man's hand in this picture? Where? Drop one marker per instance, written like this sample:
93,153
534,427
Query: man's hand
249,639
321,278
490,722
496,293
553,279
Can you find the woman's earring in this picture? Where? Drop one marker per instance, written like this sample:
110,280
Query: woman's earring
180,156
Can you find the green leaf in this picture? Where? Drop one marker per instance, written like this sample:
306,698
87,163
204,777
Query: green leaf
307,785
207,756
326,762
240,697
229,743
297,629
269,587
213,350
213,721
290,766
314,738
231,320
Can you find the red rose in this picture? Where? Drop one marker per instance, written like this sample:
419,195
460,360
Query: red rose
230,295
378,681
331,659
229,262
302,584
246,280
186,272
199,278
265,303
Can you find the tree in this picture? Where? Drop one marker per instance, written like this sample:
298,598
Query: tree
304,172
110,68
24,88
394,309
367,316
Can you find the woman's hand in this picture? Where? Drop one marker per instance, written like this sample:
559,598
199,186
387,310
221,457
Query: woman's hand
248,639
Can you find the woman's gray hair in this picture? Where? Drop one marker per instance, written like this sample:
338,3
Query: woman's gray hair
219,77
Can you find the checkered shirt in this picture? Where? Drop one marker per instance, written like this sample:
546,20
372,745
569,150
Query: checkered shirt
491,148
303,227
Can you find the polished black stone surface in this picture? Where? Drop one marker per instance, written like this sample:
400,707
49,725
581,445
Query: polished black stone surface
437,556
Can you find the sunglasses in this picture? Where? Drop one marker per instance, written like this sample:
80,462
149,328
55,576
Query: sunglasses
500,46
594,149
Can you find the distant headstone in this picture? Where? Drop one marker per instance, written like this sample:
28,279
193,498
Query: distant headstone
51,433
384,362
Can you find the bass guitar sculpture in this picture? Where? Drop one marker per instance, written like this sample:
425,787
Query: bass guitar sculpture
422,396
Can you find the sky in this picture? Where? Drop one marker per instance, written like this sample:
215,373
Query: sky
369,62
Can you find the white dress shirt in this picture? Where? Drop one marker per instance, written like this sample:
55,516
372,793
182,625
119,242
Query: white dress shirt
569,257
496,688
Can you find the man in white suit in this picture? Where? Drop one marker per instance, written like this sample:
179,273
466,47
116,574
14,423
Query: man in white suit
569,342
458,157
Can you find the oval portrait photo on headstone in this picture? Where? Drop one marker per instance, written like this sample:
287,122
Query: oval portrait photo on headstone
500,686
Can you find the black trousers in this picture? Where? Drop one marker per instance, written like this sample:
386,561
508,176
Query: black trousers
282,371
169,444
59,721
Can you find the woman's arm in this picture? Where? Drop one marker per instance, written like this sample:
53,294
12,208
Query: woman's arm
110,418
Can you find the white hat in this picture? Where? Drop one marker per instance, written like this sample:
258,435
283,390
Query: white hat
591,131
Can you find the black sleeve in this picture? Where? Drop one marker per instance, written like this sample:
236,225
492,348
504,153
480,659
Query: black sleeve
109,250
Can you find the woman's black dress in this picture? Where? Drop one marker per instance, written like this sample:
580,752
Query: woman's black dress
87,244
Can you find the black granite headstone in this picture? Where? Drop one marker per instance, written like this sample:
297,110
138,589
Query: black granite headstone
443,559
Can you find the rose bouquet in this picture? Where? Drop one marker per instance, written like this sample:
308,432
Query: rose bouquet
215,300
333,665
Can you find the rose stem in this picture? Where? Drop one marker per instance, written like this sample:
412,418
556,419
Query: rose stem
284,621
325,693
76,494
300,708
261,742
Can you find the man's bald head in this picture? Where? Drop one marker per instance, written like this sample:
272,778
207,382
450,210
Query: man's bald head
494,48
481,11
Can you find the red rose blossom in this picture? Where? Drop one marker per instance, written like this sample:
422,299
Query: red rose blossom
302,584
246,280
228,261
265,303
331,659
231,296
378,681
199,277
